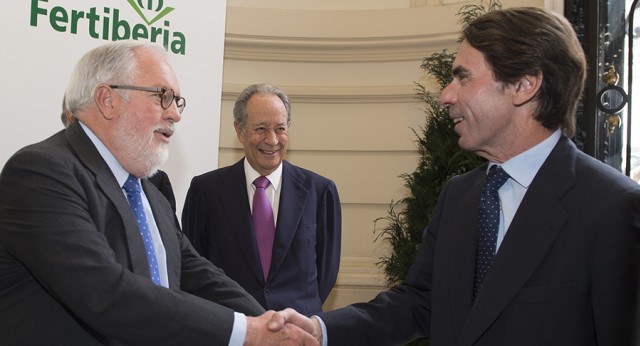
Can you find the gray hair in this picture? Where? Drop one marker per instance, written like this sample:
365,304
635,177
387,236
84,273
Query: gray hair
112,63
63,115
240,107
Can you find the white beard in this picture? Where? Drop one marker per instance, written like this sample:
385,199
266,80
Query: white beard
140,154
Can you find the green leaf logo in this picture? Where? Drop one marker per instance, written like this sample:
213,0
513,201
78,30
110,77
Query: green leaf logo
139,6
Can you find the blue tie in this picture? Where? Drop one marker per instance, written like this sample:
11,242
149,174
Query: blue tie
488,222
132,187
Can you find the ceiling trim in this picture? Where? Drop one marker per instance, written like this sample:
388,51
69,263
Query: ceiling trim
309,49
337,94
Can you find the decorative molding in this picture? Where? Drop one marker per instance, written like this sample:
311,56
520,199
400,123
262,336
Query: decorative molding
419,3
337,94
360,272
355,49
424,3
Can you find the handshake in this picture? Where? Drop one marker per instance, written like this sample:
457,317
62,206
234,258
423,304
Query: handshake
286,327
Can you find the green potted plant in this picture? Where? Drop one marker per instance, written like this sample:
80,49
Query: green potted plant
440,159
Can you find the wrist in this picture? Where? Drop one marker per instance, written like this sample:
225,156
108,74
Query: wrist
249,336
317,328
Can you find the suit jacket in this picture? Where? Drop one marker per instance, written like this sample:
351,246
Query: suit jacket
566,272
161,181
73,268
306,251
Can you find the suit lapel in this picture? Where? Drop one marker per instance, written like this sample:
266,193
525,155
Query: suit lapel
462,236
292,202
533,231
233,197
90,157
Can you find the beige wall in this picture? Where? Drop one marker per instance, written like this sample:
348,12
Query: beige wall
349,68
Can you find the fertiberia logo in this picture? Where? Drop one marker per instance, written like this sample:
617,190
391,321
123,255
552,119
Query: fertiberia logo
106,23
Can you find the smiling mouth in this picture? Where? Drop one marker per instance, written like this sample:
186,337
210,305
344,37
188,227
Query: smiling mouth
268,152
457,120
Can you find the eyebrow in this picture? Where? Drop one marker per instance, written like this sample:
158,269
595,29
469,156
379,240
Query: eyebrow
460,71
265,124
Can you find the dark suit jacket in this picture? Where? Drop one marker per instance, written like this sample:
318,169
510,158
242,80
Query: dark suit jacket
306,252
161,181
73,269
565,274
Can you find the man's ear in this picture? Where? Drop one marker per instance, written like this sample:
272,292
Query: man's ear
105,99
527,88
239,132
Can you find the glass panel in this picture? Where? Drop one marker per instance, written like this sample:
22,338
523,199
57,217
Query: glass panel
611,116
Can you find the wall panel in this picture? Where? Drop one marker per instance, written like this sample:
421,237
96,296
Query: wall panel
349,68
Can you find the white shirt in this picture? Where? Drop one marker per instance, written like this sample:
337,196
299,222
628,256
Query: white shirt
521,169
272,191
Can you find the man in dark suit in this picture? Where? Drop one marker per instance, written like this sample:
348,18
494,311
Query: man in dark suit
160,179
566,271
74,269
217,216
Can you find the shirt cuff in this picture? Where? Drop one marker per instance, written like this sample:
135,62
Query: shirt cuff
239,331
325,337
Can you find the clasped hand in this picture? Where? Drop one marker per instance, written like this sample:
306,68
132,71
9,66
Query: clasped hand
286,327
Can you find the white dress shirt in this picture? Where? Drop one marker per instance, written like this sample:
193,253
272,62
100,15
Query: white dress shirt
521,169
272,191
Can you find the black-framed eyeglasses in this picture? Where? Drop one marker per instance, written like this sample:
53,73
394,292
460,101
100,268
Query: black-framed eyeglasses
167,96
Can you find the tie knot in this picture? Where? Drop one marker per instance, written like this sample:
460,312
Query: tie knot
261,182
131,185
496,178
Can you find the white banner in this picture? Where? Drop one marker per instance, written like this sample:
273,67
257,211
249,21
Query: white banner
43,39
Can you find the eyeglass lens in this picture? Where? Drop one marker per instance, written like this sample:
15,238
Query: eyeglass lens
168,96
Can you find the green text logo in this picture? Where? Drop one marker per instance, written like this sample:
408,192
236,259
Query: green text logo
139,7
107,24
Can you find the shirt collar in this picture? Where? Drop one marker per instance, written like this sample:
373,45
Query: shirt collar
524,167
118,171
251,175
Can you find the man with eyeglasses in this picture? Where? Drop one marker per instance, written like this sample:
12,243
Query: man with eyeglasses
89,251
160,179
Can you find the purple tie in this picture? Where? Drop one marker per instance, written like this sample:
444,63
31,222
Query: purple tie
263,223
